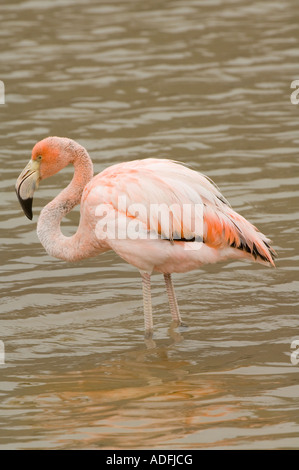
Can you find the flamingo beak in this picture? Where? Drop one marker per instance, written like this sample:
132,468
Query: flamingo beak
26,184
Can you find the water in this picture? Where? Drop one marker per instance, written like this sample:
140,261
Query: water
203,82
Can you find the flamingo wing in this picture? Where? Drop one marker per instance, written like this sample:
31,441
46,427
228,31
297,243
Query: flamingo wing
154,191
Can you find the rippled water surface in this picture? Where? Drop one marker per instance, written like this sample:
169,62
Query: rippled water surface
204,82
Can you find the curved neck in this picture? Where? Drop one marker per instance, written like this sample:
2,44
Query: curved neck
48,226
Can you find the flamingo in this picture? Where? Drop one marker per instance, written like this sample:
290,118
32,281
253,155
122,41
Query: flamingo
176,248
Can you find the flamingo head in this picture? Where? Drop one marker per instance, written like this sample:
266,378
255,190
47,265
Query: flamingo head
49,156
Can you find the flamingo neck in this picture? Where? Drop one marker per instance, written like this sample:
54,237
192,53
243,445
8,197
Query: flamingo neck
48,227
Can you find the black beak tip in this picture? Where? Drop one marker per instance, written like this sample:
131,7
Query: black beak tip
26,205
28,209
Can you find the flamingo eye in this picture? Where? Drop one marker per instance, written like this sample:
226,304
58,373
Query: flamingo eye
38,158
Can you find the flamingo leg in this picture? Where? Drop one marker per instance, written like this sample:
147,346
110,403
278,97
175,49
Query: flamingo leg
174,308
147,304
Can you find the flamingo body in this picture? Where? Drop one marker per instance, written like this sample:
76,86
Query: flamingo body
135,195
226,234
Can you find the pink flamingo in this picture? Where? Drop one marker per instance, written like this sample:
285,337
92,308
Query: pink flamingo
224,234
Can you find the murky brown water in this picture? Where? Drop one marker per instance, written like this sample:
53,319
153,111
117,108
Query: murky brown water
204,82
